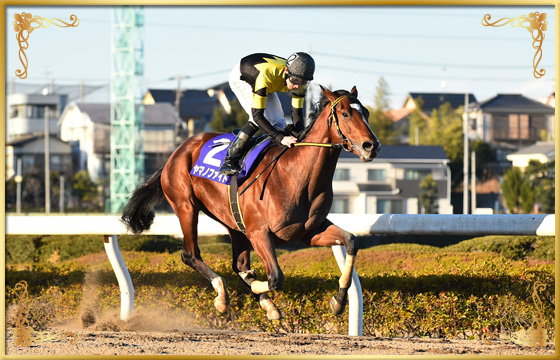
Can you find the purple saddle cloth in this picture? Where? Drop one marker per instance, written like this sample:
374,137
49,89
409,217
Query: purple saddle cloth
212,156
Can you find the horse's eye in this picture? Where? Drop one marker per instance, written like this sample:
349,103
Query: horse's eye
345,114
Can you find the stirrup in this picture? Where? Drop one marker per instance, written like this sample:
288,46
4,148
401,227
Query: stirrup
229,168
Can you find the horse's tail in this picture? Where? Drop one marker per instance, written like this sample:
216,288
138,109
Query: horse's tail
138,214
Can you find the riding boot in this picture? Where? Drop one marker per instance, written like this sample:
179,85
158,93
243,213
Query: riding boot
236,151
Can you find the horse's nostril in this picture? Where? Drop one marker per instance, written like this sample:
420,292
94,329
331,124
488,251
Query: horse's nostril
367,146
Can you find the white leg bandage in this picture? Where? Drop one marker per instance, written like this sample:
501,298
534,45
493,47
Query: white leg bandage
346,277
259,287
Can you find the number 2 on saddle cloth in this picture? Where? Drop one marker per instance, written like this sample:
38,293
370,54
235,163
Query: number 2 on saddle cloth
212,156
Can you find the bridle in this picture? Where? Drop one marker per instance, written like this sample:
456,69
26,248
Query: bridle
345,143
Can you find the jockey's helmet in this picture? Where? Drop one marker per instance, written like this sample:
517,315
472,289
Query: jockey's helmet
301,65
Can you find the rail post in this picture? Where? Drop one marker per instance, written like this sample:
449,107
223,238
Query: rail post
123,276
355,298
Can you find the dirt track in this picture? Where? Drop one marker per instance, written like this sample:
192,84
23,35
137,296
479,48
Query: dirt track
213,342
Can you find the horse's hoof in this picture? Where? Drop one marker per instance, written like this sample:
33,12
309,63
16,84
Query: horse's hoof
221,306
336,307
272,311
274,314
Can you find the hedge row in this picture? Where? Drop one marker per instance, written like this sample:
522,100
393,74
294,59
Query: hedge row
40,248
427,292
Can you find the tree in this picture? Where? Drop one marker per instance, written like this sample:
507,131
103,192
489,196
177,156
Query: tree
444,128
545,195
85,190
518,190
380,123
511,188
224,122
527,197
428,196
417,123
484,155
540,179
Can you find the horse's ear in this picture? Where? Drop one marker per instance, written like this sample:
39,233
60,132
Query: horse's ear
329,94
354,91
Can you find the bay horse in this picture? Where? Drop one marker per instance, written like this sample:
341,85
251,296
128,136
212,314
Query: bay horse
289,202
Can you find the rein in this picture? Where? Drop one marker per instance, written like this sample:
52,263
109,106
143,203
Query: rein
331,145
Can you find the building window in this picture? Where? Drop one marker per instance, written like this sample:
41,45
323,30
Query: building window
416,174
342,174
38,111
500,126
389,206
524,127
377,175
512,127
340,206
17,111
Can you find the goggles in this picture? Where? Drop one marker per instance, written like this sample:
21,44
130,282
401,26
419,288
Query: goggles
296,80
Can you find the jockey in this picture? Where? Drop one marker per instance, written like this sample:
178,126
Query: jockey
255,81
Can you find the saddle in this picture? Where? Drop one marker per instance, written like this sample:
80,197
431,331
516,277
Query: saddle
214,151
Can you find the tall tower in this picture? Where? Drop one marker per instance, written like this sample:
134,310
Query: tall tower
127,111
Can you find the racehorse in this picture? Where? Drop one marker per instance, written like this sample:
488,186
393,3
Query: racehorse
289,202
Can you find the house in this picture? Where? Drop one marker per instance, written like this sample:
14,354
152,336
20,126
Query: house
428,102
550,100
88,126
222,92
391,183
510,122
541,151
27,112
431,101
196,107
30,150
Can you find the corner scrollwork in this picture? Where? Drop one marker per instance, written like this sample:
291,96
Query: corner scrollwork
24,24
536,24
24,334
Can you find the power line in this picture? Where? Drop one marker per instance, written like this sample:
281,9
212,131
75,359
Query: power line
384,73
416,63
331,33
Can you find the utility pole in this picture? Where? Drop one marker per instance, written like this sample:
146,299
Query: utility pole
82,91
61,199
47,164
18,186
466,155
473,181
178,96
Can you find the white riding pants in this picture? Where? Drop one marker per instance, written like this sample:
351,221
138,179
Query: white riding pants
242,89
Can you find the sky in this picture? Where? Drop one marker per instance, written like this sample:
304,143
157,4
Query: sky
414,48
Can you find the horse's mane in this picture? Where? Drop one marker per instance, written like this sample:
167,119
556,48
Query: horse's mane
318,109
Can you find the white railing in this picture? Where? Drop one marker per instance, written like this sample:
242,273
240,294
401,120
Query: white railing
167,224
